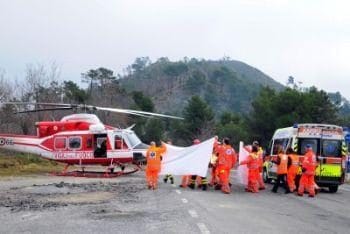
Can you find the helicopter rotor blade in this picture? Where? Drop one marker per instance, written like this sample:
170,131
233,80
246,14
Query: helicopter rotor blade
90,107
39,103
136,112
46,109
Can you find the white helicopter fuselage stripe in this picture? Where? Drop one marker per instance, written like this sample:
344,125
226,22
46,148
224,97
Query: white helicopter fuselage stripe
34,146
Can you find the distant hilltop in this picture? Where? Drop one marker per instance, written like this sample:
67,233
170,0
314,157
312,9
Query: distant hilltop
226,85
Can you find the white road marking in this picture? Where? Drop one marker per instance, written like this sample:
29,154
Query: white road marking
203,228
178,191
30,216
184,200
193,213
173,185
226,206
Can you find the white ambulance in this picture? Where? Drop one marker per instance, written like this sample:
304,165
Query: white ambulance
327,142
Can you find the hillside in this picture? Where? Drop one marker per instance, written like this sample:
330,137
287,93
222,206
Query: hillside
225,84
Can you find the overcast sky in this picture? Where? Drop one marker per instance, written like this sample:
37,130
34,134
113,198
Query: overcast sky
308,39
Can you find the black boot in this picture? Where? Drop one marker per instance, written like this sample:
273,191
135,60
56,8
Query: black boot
171,180
193,182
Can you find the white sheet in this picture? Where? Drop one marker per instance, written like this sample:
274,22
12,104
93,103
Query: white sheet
243,170
192,160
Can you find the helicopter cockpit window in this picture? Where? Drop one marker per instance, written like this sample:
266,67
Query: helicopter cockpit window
133,139
119,143
60,143
74,143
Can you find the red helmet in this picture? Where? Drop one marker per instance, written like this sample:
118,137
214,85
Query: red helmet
196,141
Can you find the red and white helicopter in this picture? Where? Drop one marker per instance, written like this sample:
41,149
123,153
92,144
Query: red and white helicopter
82,139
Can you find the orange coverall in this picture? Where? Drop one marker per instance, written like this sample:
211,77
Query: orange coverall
253,172
185,180
213,161
261,162
226,160
292,171
153,157
308,177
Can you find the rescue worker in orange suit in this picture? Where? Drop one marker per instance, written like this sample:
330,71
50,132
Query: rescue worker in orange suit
261,162
213,167
202,181
308,172
293,166
213,162
282,169
227,158
252,162
169,176
153,157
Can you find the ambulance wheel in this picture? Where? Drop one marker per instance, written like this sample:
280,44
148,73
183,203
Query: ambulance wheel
333,188
266,177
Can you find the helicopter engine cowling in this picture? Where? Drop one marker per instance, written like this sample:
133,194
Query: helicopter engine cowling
49,128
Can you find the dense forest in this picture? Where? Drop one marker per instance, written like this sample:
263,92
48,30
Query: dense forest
224,98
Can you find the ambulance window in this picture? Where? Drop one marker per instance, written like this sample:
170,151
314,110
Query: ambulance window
277,143
74,143
331,148
268,150
60,143
308,141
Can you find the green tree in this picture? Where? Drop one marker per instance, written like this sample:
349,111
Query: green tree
154,130
100,78
73,93
262,118
319,107
142,102
234,127
273,110
198,122
146,129
196,81
175,69
140,64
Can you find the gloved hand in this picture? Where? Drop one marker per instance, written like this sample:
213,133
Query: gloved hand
303,169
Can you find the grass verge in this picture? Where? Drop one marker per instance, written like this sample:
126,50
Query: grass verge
16,164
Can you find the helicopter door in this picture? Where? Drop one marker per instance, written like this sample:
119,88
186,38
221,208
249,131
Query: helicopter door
100,145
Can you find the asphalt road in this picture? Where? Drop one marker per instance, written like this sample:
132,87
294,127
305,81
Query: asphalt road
48,204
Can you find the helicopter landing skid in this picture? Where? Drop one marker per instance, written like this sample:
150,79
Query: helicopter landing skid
95,174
